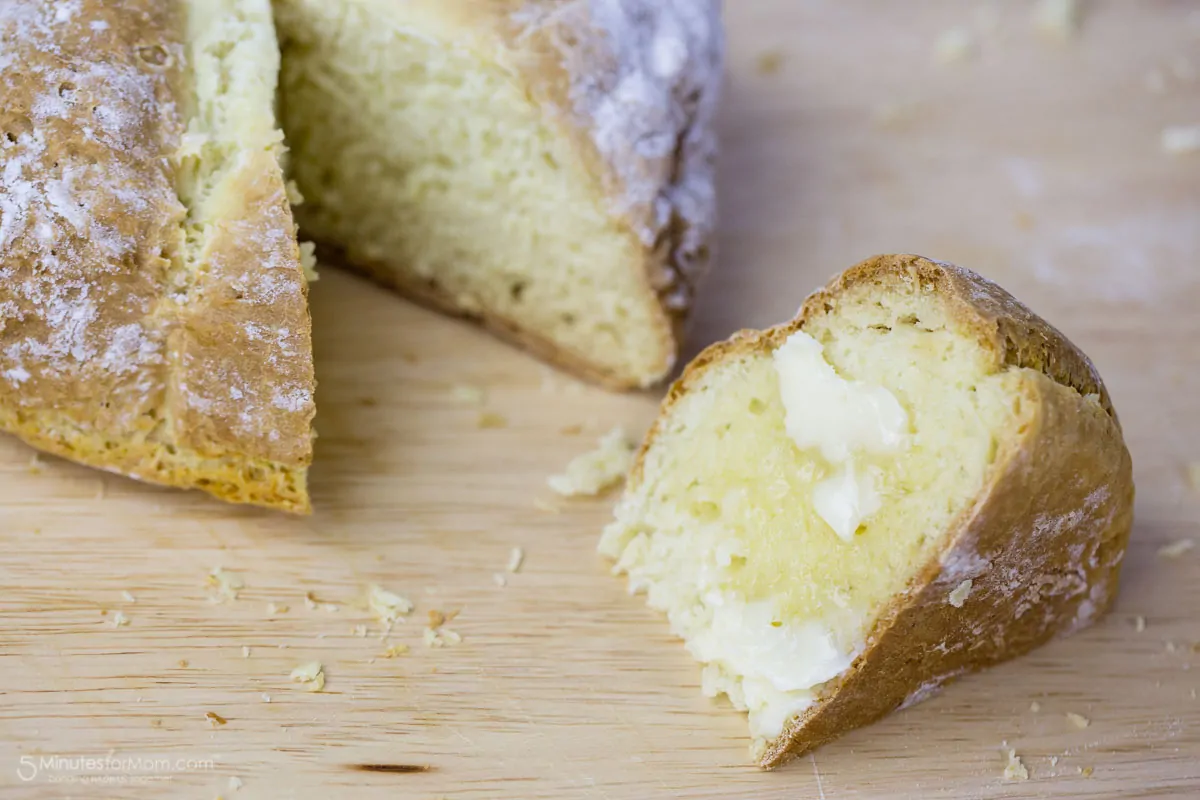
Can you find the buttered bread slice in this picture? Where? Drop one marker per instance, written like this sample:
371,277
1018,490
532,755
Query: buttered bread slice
153,311
545,167
914,478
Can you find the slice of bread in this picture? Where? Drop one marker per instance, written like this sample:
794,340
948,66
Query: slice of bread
914,478
153,311
543,166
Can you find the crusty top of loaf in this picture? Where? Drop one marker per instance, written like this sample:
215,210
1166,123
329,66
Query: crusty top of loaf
132,315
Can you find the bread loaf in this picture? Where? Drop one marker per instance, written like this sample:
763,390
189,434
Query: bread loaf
543,166
914,478
153,312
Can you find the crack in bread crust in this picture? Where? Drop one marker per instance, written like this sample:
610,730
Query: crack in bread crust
130,313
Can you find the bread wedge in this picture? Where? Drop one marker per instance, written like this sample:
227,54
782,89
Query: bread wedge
545,167
153,311
915,478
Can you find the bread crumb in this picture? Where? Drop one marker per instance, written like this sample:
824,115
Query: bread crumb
961,593
35,464
1086,771
119,620
310,601
1139,624
1181,140
1078,720
1171,648
277,608
441,637
245,652
1014,770
1177,549
235,783
592,473
330,608
769,63
465,393
499,579
312,675
360,631
395,651
215,718
266,698
1054,761
183,663
515,559
225,585
546,507
954,46
387,606
293,193
308,262
1035,706
128,596
572,430
490,420
1057,19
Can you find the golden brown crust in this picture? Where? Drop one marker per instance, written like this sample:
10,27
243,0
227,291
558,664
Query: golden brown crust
119,348
1042,543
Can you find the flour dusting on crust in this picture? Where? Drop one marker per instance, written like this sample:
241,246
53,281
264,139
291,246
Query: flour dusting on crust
645,78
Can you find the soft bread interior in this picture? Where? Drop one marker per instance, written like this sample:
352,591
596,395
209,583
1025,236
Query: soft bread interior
724,527
427,163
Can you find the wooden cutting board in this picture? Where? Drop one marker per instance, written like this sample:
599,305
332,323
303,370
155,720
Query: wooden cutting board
1037,163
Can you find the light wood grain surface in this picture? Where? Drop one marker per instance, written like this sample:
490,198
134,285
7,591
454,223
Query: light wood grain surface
1034,162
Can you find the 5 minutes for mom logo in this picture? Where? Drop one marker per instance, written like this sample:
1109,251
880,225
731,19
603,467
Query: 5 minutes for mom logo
110,769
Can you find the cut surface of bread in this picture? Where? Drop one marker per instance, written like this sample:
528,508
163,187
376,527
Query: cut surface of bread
914,478
153,312
543,166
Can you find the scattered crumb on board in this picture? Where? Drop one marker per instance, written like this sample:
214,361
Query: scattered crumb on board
465,393
769,62
128,597
235,783
441,637
960,593
515,559
224,585
215,719
592,473
1014,770
490,420
277,608
387,606
311,675
245,651
1078,720
395,651
1177,548
1035,706
1139,624
499,579
119,620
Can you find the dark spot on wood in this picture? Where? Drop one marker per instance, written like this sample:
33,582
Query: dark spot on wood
396,769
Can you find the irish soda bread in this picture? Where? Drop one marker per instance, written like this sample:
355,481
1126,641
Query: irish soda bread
543,166
153,313
914,478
